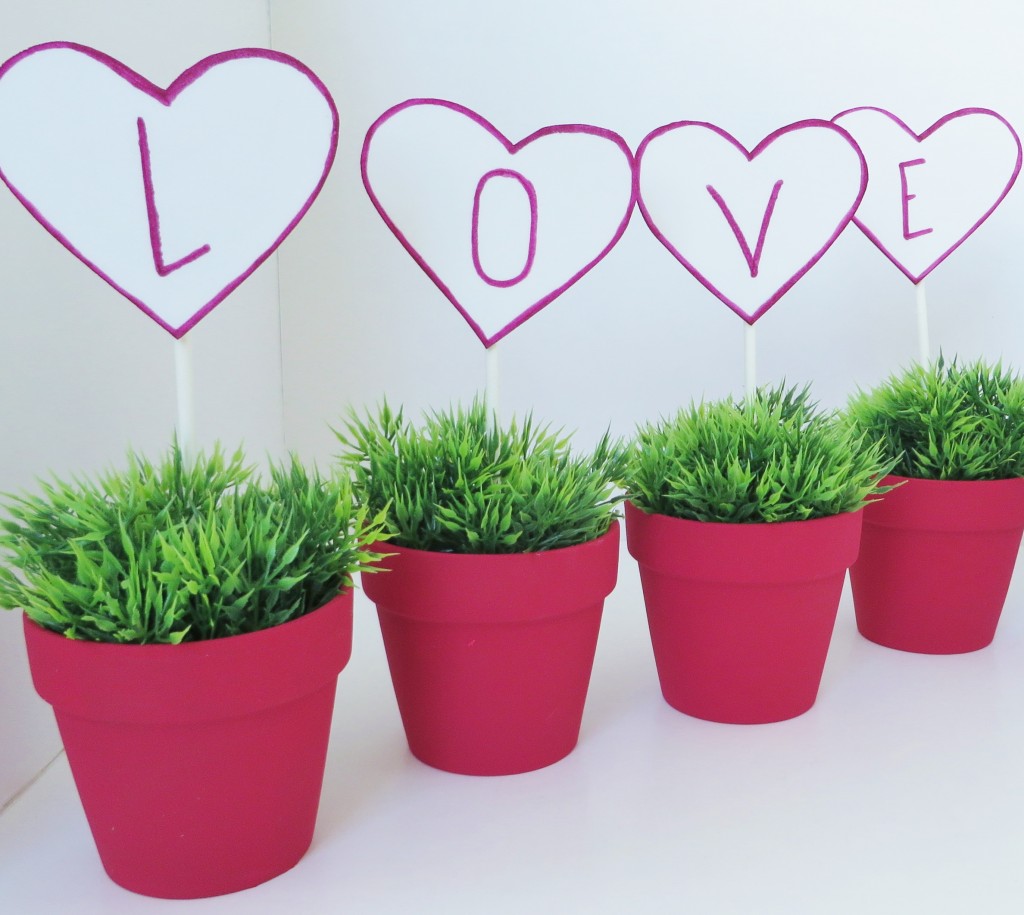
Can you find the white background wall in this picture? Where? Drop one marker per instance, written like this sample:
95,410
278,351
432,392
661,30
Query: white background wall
84,374
638,335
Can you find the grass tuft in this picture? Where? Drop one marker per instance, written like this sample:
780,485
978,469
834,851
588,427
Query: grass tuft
768,458
181,550
460,483
947,421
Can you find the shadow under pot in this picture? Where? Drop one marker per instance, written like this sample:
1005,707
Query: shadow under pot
741,615
491,655
936,561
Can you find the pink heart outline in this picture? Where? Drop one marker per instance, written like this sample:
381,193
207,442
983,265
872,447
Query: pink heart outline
511,148
166,97
750,155
920,138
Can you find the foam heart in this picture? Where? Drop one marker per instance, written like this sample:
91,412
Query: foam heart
501,228
749,224
930,191
173,196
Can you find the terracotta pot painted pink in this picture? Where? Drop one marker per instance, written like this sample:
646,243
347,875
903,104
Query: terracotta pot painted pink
491,655
935,563
199,765
741,615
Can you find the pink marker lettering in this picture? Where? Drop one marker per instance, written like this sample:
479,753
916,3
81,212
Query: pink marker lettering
753,258
162,267
531,251
906,198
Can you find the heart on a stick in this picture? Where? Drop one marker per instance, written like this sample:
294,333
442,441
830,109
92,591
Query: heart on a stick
502,228
173,196
748,224
929,192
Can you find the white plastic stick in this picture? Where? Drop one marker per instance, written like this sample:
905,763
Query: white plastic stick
923,342
186,396
751,360
491,390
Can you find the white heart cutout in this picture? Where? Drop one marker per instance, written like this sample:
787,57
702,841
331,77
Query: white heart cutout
748,224
930,192
501,228
173,196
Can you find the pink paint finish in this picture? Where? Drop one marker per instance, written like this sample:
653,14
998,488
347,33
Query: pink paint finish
491,655
741,615
936,561
167,97
898,246
200,765
784,136
464,306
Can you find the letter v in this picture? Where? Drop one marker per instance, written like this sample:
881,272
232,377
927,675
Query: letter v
753,258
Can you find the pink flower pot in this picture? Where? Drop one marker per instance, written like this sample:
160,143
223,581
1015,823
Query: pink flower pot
199,765
741,615
490,655
935,563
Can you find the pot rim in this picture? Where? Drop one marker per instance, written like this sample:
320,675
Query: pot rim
758,552
388,546
733,525
201,680
495,587
999,481
949,505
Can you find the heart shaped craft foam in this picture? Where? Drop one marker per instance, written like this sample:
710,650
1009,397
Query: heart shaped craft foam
173,196
501,228
930,192
749,224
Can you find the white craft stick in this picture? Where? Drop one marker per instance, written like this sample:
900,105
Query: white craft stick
923,342
186,396
491,390
750,346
